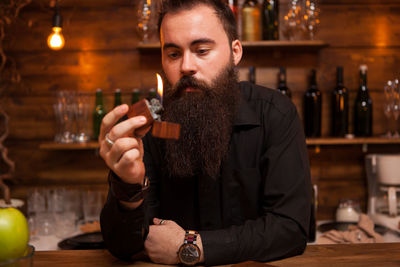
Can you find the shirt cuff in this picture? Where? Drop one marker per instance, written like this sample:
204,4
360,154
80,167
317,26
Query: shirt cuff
218,247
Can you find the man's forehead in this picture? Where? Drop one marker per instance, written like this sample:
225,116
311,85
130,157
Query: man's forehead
198,22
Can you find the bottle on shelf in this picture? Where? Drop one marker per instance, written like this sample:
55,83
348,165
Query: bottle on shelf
282,87
233,4
312,108
98,113
270,19
251,21
340,106
135,96
117,97
152,94
363,107
252,74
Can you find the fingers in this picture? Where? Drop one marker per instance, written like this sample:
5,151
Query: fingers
111,118
121,146
126,128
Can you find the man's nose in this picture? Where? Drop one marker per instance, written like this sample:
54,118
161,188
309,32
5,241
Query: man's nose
188,66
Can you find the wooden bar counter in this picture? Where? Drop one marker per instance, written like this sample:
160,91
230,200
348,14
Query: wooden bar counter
383,254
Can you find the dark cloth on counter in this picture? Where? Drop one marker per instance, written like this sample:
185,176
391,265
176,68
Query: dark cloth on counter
257,209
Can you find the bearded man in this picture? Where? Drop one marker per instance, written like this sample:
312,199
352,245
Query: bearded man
236,185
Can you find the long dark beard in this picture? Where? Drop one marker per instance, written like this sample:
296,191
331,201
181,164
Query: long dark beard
206,118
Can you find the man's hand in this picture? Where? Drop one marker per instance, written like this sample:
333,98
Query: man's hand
125,155
163,241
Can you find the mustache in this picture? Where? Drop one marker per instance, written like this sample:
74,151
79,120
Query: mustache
188,81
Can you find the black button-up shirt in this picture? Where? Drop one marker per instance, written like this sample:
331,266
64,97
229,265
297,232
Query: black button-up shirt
259,207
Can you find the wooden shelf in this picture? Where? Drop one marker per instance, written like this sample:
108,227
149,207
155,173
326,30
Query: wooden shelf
74,146
257,44
352,141
323,141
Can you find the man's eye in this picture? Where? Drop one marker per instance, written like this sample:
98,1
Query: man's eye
173,55
203,51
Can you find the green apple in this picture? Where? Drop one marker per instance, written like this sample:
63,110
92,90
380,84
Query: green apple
14,234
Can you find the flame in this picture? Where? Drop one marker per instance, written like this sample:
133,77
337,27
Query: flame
159,86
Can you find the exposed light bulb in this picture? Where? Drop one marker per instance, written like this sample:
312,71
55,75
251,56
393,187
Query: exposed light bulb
56,39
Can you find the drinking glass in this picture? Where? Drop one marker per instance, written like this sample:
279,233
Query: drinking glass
82,117
293,26
387,107
92,202
64,112
147,20
396,107
311,18
36,206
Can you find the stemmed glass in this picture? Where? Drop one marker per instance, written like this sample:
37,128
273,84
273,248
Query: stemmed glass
293,23
311,18
147,16
387,107
396,107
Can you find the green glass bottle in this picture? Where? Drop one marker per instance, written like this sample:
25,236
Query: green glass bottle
135,96
98,113
363,107
282,87
152,94
117,98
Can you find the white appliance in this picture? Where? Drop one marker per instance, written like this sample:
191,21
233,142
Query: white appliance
383,175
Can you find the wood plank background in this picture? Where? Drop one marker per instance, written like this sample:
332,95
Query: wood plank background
100,52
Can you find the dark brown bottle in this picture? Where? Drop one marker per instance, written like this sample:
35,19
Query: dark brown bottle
270,19
340,106
252,74
363,107
282,87
312,108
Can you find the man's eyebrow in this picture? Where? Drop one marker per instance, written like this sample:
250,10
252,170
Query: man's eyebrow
202,41
169,45
195,42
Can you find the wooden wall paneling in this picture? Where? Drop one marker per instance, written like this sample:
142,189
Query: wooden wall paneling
361,25
84,29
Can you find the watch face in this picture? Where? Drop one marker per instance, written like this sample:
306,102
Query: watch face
189,254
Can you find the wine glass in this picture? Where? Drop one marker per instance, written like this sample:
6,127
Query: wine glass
311,18
147,20
396,107
387,107
293,22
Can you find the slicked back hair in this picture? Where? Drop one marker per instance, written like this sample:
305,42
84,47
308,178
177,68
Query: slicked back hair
222,10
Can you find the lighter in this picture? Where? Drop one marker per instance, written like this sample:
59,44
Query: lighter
151,110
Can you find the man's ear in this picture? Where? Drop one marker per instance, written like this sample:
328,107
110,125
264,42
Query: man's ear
237,51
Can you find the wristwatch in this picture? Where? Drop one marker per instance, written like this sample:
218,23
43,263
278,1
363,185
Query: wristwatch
128,192
189,252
